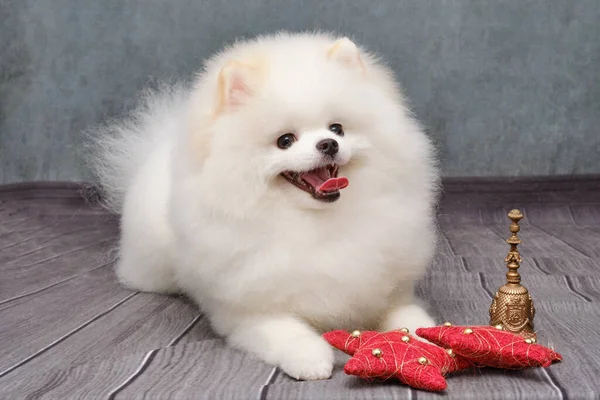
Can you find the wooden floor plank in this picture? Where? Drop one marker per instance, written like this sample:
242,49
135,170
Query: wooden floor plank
497,265
586,215
15,238
201,330
587,286
583,239
572,329
48,242
202,370
53,245
443,248
18,281
458,216
571,267
92,380
154,321
536,241
339,387
9,223
451,285
549,215
29,324
476,240
445,264
543,288
144,322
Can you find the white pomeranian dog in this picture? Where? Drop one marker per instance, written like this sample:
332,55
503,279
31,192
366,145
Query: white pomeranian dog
288,191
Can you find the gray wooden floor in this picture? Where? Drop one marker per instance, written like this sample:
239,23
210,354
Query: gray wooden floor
68,330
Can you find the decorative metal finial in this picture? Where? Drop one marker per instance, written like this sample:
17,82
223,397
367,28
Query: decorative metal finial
512,307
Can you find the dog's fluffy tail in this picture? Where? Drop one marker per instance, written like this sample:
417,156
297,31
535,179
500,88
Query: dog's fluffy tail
116,150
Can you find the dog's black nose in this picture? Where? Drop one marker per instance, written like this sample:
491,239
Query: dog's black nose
328,146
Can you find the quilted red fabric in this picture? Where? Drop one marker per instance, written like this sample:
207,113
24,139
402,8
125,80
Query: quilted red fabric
487,346
396,354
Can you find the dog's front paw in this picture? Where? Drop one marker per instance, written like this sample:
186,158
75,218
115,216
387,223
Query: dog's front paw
308,359
410,316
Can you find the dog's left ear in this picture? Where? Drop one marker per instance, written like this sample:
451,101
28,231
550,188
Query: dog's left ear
235,85
345,51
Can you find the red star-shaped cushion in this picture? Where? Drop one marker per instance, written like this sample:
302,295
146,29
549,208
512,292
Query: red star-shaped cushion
487,346
396,354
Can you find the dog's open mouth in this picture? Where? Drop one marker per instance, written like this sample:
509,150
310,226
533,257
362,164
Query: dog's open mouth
322,183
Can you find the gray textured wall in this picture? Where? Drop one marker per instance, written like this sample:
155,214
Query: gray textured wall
506,87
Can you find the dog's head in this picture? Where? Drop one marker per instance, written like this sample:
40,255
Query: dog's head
297,118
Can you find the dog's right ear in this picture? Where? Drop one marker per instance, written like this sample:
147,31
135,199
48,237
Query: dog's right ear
346,52
234,85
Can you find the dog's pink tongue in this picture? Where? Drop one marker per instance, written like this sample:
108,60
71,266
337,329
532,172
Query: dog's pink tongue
322,183
333,185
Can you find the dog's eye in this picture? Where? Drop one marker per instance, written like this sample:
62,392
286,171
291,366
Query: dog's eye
337,129
286,141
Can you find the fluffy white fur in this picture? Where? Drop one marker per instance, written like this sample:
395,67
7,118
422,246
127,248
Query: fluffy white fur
195,173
